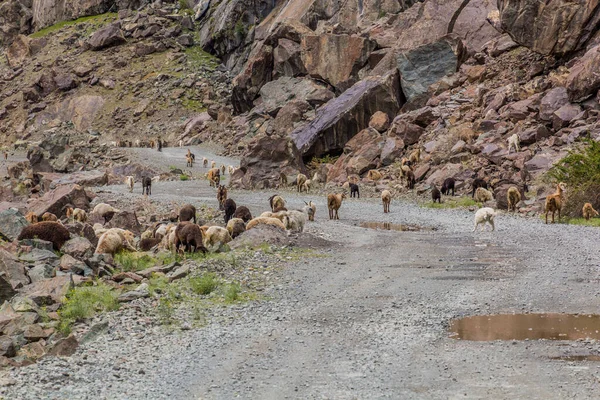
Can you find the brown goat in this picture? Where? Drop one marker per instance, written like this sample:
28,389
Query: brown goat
187,213
49,217
214,177
588,211
513,197
221,196
554,202
300,180
190,236
386,198
334,202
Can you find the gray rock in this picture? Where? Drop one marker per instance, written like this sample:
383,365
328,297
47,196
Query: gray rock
41,272
11,224
78,247
36,256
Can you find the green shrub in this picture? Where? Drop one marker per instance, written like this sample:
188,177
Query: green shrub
205,284
184,177
232,293
134,261
451,202
85,302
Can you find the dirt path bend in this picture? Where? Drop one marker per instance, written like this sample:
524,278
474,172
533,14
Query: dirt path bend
369,318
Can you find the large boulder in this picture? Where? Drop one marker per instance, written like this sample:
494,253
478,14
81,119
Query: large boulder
125,220
343,117
275,94
361,154
58,199
429,63
550,26
247,84
552,101
500,190
287,59
265,158
335,59
108,36
12,223
81,111
12,270
78,247
410,133
18,51
584,80
291,114
48,291
49,12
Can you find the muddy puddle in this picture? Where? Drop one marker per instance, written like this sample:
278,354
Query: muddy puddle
526,327
388,226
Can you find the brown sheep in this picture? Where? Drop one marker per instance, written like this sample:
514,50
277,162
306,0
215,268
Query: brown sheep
49,217
214,177
482,195
410,179
229,206
374,175
148,244
221,196
283,180
49,231
554,202
300,180
513,197
236,227
588,211
190,236
386,198
243,213
32,218
334,202
265,220
222,169
436,195
187,213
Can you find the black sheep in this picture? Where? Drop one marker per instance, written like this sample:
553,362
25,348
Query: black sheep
243,213
189,235
477,183
146,185
187,213
49,231
148,244
354,192
447,186
435,194
230,208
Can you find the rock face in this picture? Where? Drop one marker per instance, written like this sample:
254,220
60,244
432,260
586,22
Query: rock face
551,26
248,83
18,51
343,117
57,200
583,80
276,94
49,12
11,224
427,64
106,37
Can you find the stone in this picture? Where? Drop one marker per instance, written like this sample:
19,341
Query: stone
287,60
247,84
362,153
84,230
7,292
127,275
56,201
12,223
75,266
35,256
80,110
409,133
276,94
83,178
425,65
78,247
421,171
7,347
260,235
289,116
185,40
19,51
40,272
500,45
140,292
552,101
343,117
540,26
393,148
447,171
564,115
48,291
126,220
65,347
163,269
38,244
34,332
108,36
532,135
335,59
196,124
65,82
178,273
380,121
583,80
33,350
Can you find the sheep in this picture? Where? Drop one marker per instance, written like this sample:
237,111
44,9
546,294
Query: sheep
310,209
513,141
190,236
300,182
404,170
146,186
477,183
49,231
243,213
213,164
448,185
374,175
588,211
334,202
354,192
264,220
32,217
214,177
168,240
49,217
267,214
386,199
306,186
114,240
214,237
482,195
76,214
554,202
187,213
436,194
231,170
204,162
294,220
155,178
483,215
283,180
148,243
161,229
129,182
235,227
513,197
222,170
147,234
229,206
106,211
99,229
221,196
415,156
276,202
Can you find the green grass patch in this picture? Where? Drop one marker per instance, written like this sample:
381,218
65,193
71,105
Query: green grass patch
129,261
232,294
204,284
85,302
197,57
579,221
326,159
193,105
184,177
97,20
451,202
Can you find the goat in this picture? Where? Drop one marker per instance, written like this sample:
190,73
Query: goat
146,186
415,156
300,182
236,226
243,213
264,220
310,209
513,141
306,185
334,202
190,236
374,175
386,199
588,211
354,192
215,237
513,197
477,183
554,202
213,164
214,177
205,162
484,215
130,182
32,218
187,213
229,206
222,169
435,194
231,170
276,202
106,211
410,179
294,220
49,217
448,185
221,196
283,180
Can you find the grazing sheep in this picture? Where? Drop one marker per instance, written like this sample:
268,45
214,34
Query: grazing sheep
334,202
162,229
436,194
477,183
300,180
214,177
354,192
231,170
410,179
106,211
205,162
235,227
513,141
99,229
513,197
374,175
32,217
276,202
415,156
49,231
190,236
310,209
386,199
588,211
215,237
448,185
187,213
264,220
114,240
483,215
168,240
306,186
213,164
76,214
482,195
147,234
155,178
148,243
294,220
268,214
49,217
129,181
243,213
229,206
221,196
283,180
554,202
222,170
146,186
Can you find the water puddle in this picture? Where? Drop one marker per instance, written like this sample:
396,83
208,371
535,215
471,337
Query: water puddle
388,226
527,327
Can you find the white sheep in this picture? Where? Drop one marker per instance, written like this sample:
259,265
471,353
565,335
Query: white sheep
513,141
231,169
482,195
129,181
104,210
114,240
215,237
266,221
294,220
483,215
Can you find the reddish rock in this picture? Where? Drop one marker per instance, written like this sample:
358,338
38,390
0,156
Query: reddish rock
380,121
393,148
584,80
247,84
108,36
421,171
287,60
57,200
447,171
552,101
33,350
48,291
13,272
126,220
564,115
64,347
18,51
127,275
34,332
289,116
409,133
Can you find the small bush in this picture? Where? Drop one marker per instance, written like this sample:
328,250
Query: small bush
133,261
450,202
205,284
326,159
232,293
184,177
584,222
85,302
